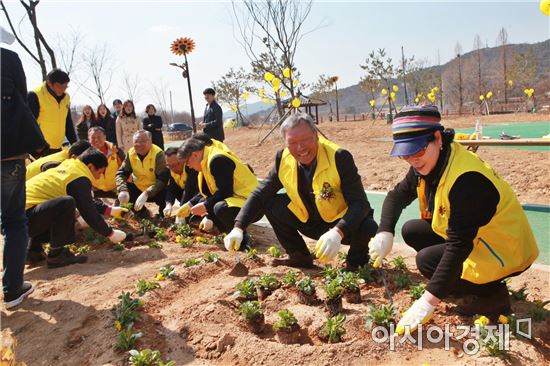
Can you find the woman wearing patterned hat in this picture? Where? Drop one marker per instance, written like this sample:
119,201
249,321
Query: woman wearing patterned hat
472,233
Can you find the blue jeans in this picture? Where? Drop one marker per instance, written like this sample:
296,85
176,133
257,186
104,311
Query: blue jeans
14,224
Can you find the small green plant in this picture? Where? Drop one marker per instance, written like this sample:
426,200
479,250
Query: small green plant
210,257
126,311
146,224
160,233
126,338
147,357
250,310
89,235
118,247
333,289
184,242
306,285
182,229
334,328
342,256
290,278
381,316
521,294
168,272
402,280
190,262
331,273
128,206
286,320
274,251
350,281
142,286
399,263
79,249
268,282
417,291
218,240
202,240
489,342
252,254
364,273
154,245
47,248
246,289
539,313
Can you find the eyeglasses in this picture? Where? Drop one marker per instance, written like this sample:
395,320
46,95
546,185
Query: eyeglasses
419,153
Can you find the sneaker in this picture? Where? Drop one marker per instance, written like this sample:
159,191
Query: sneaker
65,258
11,301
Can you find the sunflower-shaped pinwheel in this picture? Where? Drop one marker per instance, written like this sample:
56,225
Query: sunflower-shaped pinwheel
182,46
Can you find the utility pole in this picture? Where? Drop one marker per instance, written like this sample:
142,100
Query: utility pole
404,79
459,86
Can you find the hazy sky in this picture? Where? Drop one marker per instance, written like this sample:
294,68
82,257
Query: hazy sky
139,33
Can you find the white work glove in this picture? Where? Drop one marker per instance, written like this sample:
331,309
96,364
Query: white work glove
184,211
180,220
380,246
206,224
140,202
233,240
117,236
119,212
328,245
167,212
419,313
124,197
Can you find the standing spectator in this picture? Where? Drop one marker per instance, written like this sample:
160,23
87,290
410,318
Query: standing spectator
51,107
117,105
127,124
107,122
20,135
212,122
87,120
153,124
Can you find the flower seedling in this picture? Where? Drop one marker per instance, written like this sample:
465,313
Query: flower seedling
399,263
252,254
417,291
253,315
331,273
521,294
160,233
126,312
266,284
183,230
286,328
128,206
246,290
489,340
364,273
142,286
333,290
381,316
147,357
118,247
126,338
402,280
333,330
202,240
218,240
342,256
190,262
166,272
539,313
210,257
154,245
290,278
79,249
274,251
183,241
350,283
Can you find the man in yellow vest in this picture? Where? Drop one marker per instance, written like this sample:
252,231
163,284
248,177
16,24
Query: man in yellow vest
105,186
472,233
224,183
182,185
324,199
50,105
146,167
52,198
46,162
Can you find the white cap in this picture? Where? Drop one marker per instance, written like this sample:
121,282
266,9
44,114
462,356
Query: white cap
5,36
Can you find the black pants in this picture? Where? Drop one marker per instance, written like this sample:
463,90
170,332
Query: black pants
159,198
52,221
430,247
224,216
287,228
103,194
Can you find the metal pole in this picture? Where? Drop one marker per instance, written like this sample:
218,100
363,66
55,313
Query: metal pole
190,95
337,109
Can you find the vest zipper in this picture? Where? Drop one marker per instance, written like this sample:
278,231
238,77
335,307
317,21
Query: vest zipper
492,251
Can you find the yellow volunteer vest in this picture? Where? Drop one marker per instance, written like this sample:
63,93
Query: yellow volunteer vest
244,181
506,244
33,168
143,175
326,184
107,181
180,179
53,182
52,116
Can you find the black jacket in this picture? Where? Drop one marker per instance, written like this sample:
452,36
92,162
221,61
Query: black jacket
82,129
20,131
153,124
213,118
109,125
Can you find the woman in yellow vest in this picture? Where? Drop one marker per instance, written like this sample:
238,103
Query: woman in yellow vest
224,183
50,105
44,163
105,186
182,185
472,233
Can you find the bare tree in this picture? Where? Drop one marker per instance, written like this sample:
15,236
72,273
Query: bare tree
523,70
502,39
230,89
421,78
477,47
131,86
39,40
380,67
458,53
68,48
159,88
97,72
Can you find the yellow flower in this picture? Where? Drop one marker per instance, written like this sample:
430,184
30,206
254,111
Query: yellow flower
489,94
384,92
482,97
510,82
276,82
275,88
431,97
435,89
395,88
503,319
294,82
482,321
118,325
182,46
268,76
234,108
416,100
296,102
282,93
160,277
372,102
286,73
245,96
261,92
545,7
